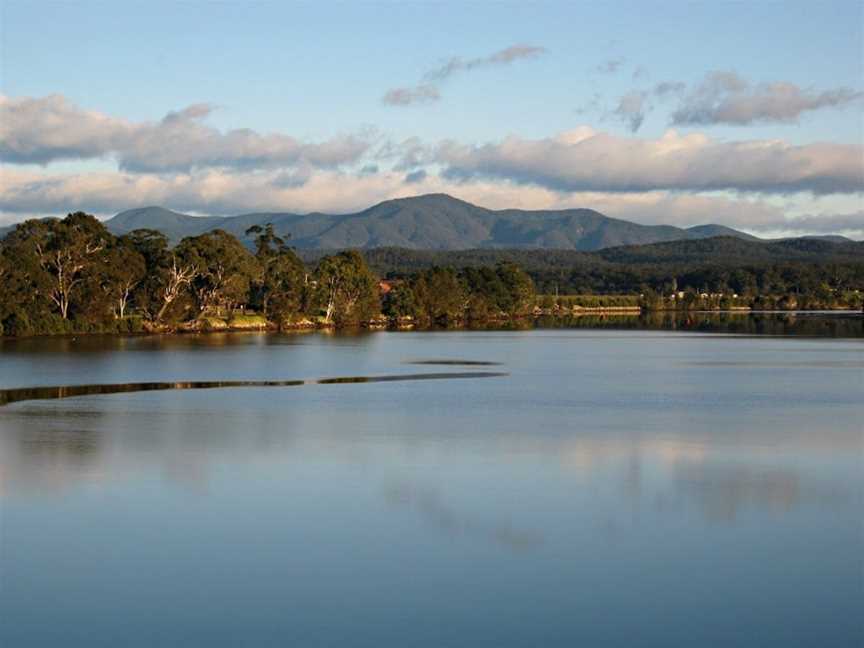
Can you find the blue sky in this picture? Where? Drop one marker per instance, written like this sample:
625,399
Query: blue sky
318,73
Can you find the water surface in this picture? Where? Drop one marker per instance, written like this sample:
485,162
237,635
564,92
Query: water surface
615,487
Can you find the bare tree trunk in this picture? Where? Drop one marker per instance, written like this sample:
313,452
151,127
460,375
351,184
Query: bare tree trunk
124,298
331,299
177,278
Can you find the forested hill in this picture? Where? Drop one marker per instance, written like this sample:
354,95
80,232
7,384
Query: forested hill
432,222
718,251
778,265
725,250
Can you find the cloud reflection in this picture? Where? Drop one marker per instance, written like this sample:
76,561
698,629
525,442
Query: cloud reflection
430,505
48,449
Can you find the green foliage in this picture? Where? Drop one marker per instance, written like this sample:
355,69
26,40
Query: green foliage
280,288
400,302
56,259
346,290
503,291
440,295
719,265
224,271
518,296
599,301
70,275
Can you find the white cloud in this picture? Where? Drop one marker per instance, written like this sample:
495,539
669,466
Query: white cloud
44,130
693,162
181,163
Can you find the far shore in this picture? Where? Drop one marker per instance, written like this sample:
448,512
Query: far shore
539,319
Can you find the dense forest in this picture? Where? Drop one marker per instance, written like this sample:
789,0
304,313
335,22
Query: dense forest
799,273
72,275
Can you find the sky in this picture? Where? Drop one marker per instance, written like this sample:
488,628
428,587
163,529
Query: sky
749,115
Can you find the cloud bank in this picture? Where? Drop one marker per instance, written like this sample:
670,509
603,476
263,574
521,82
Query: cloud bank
586,160
49,129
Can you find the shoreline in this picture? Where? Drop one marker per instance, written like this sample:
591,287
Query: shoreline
404,324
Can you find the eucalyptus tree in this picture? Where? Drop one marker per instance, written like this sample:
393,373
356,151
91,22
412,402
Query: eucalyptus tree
400,301
519,296
279,288
24,284
440,295
166,279
347,290
224,270
67,251
125,268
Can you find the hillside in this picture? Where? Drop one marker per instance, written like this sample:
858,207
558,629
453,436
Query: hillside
773,266
433,222
173,224
718,252
725,250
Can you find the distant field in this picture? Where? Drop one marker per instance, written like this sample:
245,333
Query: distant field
590,301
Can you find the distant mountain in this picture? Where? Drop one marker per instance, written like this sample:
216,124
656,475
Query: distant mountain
433,222
173,224
429,222
711,231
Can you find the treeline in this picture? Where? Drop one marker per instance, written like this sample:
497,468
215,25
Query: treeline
802,274
73,275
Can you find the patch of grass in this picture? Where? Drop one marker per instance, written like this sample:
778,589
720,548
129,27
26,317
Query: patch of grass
248,322
214,323
590,301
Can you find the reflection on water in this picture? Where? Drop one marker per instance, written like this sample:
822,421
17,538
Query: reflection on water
849,324
706,489
428,503
777,364
446,362
50,449
724,489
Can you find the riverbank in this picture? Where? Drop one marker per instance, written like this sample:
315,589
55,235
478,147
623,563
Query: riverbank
824,323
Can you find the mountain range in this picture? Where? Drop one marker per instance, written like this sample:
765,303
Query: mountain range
429,222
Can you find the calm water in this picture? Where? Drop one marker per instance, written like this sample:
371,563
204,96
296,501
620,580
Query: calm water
614,488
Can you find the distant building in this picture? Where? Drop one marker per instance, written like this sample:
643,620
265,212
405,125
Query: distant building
386,285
